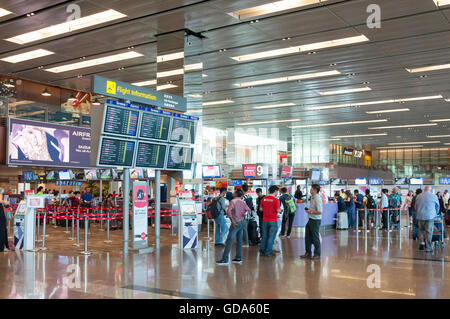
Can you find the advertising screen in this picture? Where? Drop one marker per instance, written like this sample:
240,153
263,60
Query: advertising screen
179,157
211,171
29,176
136,173
116,152
444,180
287,171
360,181
315,174
51,175
375,181
120,121
155,125
249,170
90,174
66,175
348,151
325,174
183,129
105,174
416,181
337,181
357,154
151,155
150,173
46,144
401,181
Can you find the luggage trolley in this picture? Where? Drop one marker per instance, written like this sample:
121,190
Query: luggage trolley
439,232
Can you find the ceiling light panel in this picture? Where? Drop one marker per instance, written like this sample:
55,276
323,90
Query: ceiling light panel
268,122
338,123
272,7
396,147
440,120
145,83
95,62
165,74
360,135
218,102
345,91
416,143
66,27
388,111
429,68
442,3
170,57
30,55
437,136
165,86
271,106
4,12
402,126
288,78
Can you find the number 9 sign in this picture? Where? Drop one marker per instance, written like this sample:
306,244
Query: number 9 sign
262,170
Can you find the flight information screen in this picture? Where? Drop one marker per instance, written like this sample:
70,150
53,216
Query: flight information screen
183,129
120,121
151,155
155,126
116,152
179,157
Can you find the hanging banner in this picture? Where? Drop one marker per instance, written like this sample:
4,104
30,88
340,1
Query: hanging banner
140,218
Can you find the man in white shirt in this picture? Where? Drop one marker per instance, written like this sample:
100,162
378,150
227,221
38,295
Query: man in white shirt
445,198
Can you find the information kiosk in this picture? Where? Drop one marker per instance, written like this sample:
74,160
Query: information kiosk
24,222
188,236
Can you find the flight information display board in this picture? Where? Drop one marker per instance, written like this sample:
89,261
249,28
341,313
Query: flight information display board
151,155
183,129
116,152
179,157
155,125
120,121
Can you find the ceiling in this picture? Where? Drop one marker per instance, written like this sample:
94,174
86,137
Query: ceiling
413,33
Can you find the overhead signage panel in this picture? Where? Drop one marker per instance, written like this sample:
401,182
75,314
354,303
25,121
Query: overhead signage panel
127,91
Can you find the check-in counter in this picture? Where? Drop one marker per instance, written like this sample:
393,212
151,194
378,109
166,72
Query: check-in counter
328,216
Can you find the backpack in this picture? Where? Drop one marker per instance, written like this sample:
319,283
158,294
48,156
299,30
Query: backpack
393,202
215,208
291,204
371,202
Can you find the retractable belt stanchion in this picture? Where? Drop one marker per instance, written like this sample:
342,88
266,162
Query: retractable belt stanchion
365,220
67,222
388,221
86,227
400,222
101,205
9,220
357,221
38,219
107,241
78,229
43,230
73,226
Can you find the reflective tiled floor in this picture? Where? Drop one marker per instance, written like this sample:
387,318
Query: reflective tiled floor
342,272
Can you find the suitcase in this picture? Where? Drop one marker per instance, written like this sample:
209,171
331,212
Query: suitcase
342,221
253,232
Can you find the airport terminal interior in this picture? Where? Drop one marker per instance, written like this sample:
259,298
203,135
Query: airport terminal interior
224,149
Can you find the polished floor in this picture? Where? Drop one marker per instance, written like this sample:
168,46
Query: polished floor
345,270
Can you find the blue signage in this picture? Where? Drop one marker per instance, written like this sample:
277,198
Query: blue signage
444,180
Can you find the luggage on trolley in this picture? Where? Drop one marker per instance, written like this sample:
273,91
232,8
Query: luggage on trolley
439,233
342,221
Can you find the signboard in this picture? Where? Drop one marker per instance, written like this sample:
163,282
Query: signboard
360,181
136,173
179,158
416,181
66,175
140,215
315,174
401,181
211,171
51,175
90,174
237,183
444,180
183,129
151,155
116,152
287,171
155,125
120,121
348,151
249,170
126,91
150,173
35,202
46,144
29,176
375,181
357,154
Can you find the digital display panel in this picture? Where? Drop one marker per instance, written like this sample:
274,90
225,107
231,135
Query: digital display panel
47,144
29,176
287,171
180,158
416,181
150,173
116,152
249,170
90,174
151,155
360,181
120,121
66,175
136,173
357,154
51,175
401,181
375,181
105,174
183,129
211,171
337,181
155,126
444,180
315,174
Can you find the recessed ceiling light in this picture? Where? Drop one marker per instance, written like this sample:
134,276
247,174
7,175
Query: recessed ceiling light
361,135
271,7
218,102
27,56
440,120
338,123
170,57
395,147
437,136
441,3
328,139
388,111
66,27
165,86
95,62
204,75
406,143
268,122
145,83
194,111
345,91
46,92
273,106
335,106
4,12
402,126
429,68
195,95
301,48
193,66
288,78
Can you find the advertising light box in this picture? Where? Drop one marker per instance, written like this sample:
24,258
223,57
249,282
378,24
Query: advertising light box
136,173
150,173
211,171
401,181
416,181
90,174
375,181
444,180
360,181
287,171
47,144
249,170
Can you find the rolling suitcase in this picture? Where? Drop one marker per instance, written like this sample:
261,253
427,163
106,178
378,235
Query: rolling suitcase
342,221
253,232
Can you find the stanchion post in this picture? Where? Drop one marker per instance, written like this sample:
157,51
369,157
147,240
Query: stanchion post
38,219
158,209
388,220
43,231
126,208
9,221
86,227
101,204
73,226
67,222
357,220
365,220
107,241
78,229
400,222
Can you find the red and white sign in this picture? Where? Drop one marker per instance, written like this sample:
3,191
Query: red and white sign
287,171
211,171
185,194
140,214
35,202
249,170
29,192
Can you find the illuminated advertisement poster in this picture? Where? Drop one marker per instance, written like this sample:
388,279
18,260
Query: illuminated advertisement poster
37,143
140,212
211,171
249,170
286,171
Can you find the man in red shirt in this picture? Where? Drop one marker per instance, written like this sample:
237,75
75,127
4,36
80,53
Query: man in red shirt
270,206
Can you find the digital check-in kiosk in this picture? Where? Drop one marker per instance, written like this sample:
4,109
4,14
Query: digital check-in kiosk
24,222
188,236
